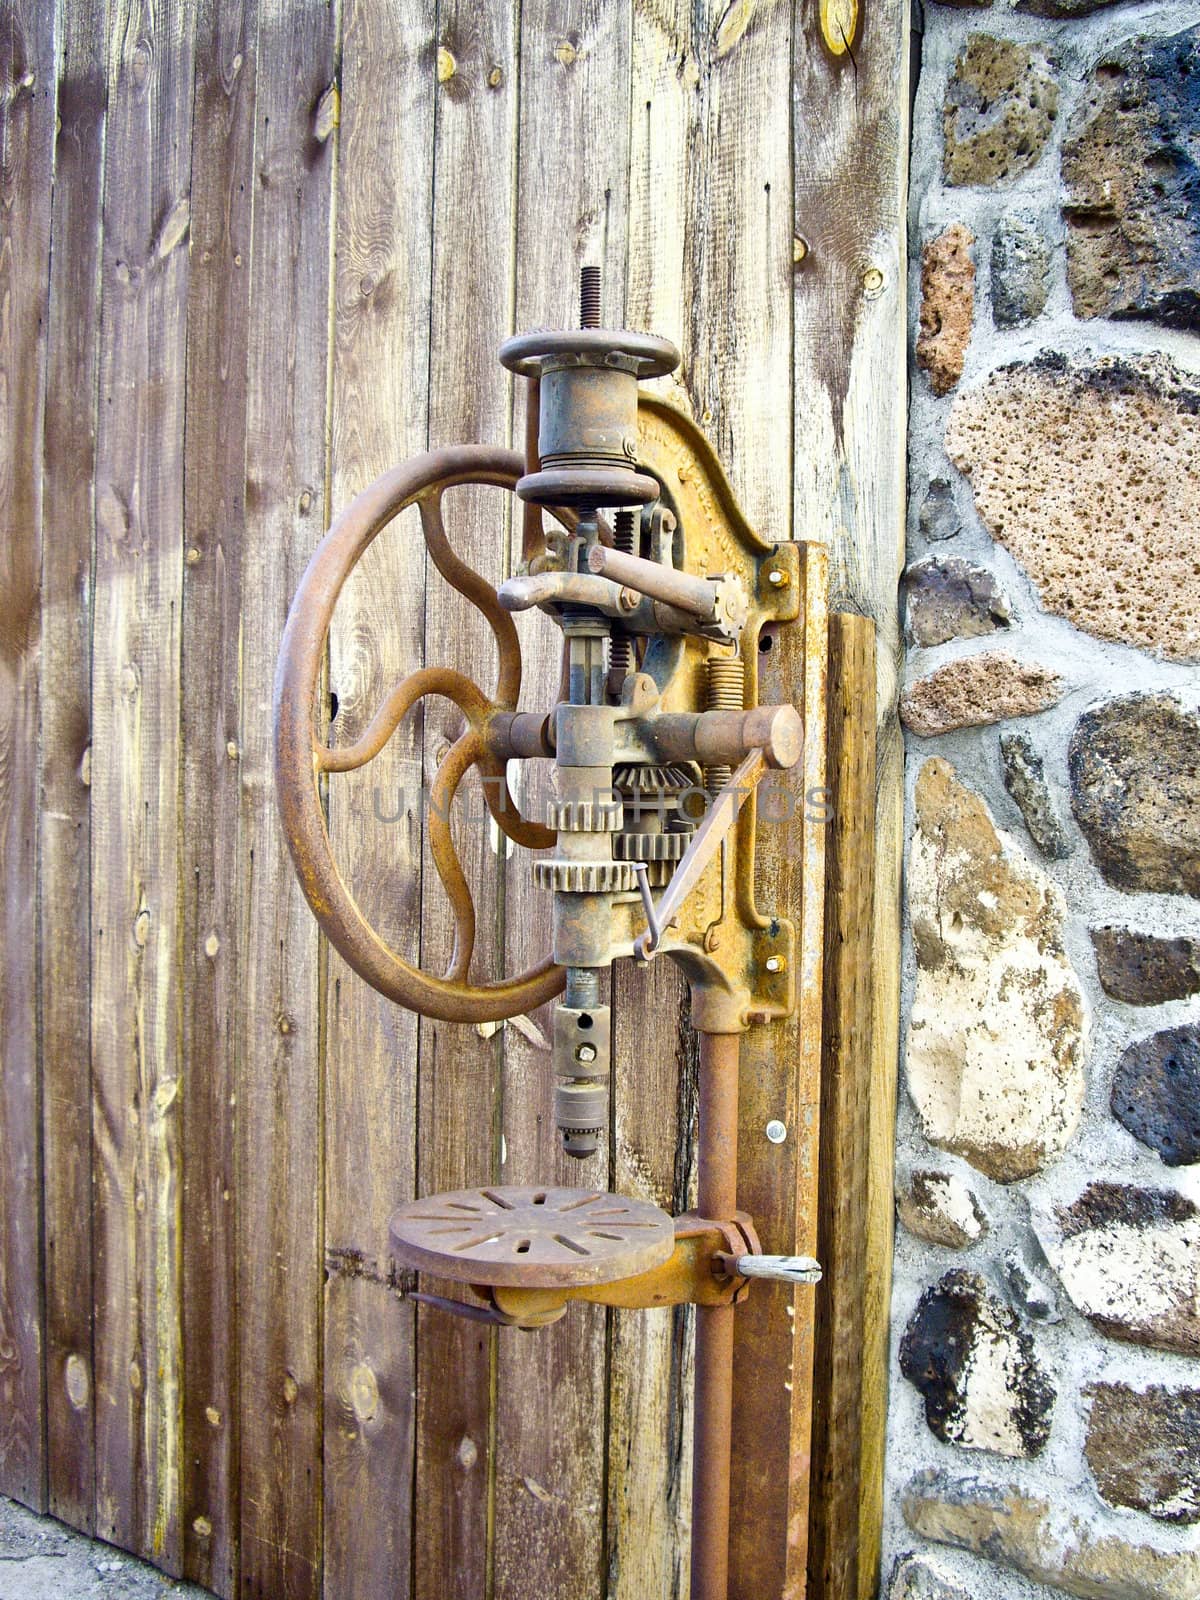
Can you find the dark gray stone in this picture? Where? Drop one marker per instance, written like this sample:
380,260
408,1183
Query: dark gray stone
1132,185
1020,272
961,1345
1135,790
939,518
1034,1296
1156,1094
1001,103
1025,780
949,598
1143,970
1143,1447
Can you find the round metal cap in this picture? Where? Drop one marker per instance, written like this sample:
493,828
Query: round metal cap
588,486
532,1238
651,356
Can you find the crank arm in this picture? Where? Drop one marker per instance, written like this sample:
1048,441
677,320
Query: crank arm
709,835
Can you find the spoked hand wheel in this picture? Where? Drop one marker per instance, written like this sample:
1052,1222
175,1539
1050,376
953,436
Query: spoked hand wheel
302,756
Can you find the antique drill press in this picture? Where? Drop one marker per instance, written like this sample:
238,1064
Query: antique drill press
664,596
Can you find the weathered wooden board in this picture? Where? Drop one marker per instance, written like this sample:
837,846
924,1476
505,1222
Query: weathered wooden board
212,877
136,976
850,129
65,822
286,241
279,1170
27,82
845,1109
477,91
379,412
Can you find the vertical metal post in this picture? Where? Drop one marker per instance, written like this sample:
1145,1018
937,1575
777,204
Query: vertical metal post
716,1198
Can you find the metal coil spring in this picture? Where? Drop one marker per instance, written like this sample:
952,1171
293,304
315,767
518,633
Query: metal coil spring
726,692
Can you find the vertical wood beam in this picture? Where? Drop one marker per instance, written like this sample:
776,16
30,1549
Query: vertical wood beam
27,80
471,280
136,782
212,877
379,416
845,1110
65,822
279,1178
850,128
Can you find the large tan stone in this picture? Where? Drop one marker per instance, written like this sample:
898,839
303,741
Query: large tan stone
1089,473
987,687
997,1038
1050,1544
947,306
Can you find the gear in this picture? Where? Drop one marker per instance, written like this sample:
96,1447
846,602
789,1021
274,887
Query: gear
585,877
651,777
650,846
585,816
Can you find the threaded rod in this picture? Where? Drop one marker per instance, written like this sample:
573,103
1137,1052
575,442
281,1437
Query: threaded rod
726,692
589,297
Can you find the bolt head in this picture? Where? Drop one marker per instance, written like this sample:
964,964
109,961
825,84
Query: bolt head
586,1052
776,1131
774,964
777,578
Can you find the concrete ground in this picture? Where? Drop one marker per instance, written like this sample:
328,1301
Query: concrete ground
40,1559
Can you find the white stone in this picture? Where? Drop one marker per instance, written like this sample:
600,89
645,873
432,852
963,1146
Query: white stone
997,1037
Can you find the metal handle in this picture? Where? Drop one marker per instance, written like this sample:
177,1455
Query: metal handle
705,842
782,1269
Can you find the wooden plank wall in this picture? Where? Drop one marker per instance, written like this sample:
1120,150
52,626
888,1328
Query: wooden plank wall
251,253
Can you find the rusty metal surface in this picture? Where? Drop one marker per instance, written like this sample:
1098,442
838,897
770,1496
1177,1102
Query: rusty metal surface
301,756
528,1253
716,1196
537,1238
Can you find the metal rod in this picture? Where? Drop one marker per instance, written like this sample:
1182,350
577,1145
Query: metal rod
697,596
716,1198
533,540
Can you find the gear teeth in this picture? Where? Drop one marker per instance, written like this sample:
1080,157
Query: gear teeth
585,816
650,846
586,877
653,777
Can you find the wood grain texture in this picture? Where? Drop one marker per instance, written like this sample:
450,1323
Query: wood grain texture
572,197
136,974
650,1390
850,133
378,417
477,91
279,1177
27,100
838,1397
211,878
282,245
65,820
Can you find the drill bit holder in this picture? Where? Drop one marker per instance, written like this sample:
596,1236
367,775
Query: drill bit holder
660,746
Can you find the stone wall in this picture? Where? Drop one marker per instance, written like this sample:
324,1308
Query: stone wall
1045,1403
